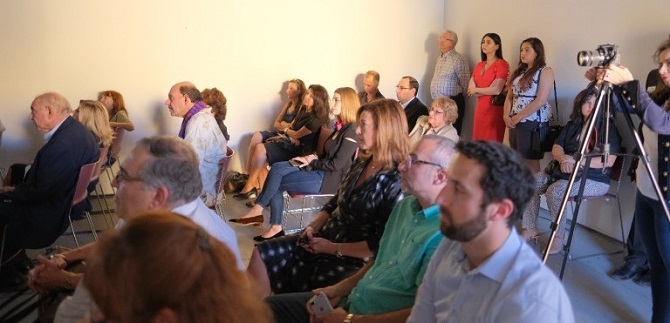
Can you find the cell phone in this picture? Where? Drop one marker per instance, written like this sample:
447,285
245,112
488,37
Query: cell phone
320,304
294,163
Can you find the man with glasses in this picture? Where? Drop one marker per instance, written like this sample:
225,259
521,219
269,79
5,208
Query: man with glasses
159,173
34,212
483,271
385,288
406,91
451,76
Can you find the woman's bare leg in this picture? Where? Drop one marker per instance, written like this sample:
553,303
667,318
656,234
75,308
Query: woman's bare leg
259,273
255,140
259,161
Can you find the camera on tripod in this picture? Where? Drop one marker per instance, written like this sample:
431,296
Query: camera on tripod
604,55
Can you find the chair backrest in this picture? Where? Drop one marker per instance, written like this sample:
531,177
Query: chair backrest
101,161
324,133
85,175
115,147
224,163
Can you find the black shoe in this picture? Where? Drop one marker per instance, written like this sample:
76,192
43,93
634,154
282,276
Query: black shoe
250,204
261,238
643,279
248,195
627,271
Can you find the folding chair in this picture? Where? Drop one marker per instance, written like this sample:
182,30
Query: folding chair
224,163
324,133
616,172
80,194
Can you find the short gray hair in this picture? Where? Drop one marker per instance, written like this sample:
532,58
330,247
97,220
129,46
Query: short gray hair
56,101
444,151
452,33
174,165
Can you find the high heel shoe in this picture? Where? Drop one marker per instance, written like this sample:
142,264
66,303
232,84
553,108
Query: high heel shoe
252,194
254,220
530,235
261,238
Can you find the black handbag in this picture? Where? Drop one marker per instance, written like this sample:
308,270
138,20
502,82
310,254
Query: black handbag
499,99
546,133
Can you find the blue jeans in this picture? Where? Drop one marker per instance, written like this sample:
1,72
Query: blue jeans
654,230
284,177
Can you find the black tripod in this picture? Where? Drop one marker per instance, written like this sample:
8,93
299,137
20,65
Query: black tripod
604,96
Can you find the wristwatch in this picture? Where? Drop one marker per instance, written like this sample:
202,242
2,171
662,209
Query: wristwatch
349,318
338,253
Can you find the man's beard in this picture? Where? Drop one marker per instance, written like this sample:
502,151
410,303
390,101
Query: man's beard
463,232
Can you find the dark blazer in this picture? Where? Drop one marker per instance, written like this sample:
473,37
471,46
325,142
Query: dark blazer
36,209
413,111
336,158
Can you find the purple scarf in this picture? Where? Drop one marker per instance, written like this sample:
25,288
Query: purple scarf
195,109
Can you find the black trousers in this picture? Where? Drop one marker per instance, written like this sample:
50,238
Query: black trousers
460,103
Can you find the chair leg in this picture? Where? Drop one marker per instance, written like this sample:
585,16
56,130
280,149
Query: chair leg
90,223
74,234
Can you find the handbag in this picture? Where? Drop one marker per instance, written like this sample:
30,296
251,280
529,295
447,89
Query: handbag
546,134
499,99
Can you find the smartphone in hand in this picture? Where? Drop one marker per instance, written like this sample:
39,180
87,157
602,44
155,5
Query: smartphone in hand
294,163
320,304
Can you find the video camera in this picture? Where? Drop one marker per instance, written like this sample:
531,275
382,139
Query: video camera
604,55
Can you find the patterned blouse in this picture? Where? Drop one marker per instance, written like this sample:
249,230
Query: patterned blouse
521,99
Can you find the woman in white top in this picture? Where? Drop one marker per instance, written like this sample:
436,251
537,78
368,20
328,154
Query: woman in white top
441,116
526,105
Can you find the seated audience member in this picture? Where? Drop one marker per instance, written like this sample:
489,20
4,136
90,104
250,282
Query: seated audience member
554,185
385,288
94,116
200,129
406,91
298,140
347,229
370,88
484,271
34,213
439,121
315,174
164,268
159,173
118,119
217,101
295,93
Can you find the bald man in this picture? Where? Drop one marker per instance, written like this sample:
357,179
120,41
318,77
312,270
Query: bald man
34,213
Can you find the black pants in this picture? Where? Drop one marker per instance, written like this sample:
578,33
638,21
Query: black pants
636,254
289,307
460,103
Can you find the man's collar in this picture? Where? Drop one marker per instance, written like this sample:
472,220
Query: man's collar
50,133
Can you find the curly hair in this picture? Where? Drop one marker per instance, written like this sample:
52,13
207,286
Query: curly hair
506,176
450,108
215,99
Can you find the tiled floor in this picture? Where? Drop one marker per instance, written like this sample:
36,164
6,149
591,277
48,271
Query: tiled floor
595,297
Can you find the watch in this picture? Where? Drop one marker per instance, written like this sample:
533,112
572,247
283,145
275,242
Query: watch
338,253
349,318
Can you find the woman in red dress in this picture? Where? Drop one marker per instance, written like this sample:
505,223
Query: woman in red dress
488,79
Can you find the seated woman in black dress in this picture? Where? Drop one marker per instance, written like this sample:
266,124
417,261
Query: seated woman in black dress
316,174
297,140
295,93
347,229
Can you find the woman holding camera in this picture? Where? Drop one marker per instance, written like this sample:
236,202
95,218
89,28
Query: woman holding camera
650,218
526,106
553,181
488,80
347,230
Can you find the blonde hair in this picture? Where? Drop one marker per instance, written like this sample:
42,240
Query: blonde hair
162,260
449,107
95,117
350,104
390,124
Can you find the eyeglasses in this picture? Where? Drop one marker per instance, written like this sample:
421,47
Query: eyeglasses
412,159
401,88
122,176
436,111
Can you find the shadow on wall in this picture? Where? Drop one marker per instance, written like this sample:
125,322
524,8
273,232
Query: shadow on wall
433,50
160,119
358,82
242,151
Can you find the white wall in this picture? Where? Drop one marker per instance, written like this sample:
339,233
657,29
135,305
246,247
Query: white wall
248,49
565,28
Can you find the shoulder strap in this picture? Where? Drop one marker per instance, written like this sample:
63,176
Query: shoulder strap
539,116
